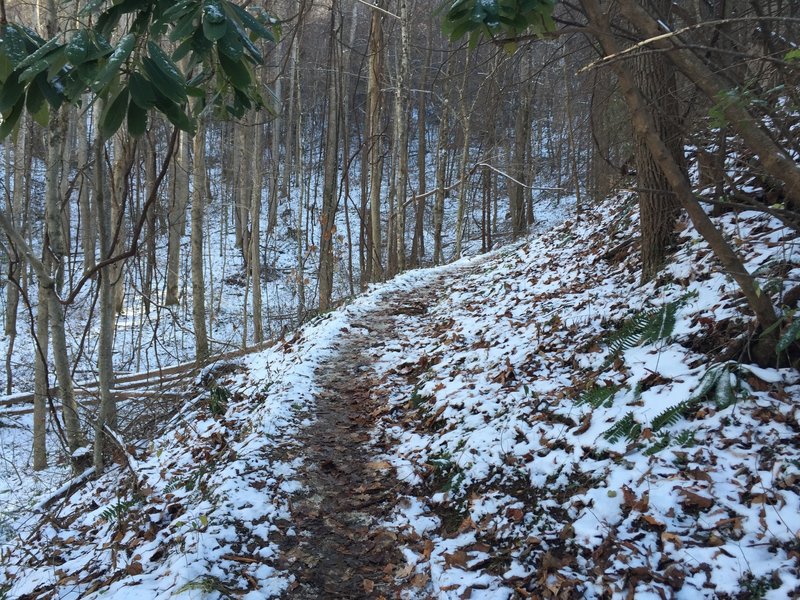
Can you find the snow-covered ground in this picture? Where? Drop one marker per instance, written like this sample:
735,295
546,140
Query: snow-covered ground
506,397
542,461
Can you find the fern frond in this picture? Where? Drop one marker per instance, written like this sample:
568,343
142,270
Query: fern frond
671,415
685,439
117,511
626,427
597,395
659,445
646,327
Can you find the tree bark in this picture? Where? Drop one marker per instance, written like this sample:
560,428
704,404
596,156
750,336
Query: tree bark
374,144
654,77
760,304
176,219
105,367
255,235
327,216
197,233
775,159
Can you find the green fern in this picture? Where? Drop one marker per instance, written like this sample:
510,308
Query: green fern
117,511
685,439
627,427
207,584
716,383
645,327
218,400
187,483
662,442
597,395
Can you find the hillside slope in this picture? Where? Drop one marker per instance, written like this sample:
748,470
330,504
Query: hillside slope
533,440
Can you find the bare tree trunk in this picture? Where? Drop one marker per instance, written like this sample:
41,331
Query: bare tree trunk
329,197
418,243
88,240
105,366
441,170
275,161
655,79
151,231
374,144
301,199
176,218
197,232
643,124
16,265
255,235
41,383
401,134
123,158
522,131
463,186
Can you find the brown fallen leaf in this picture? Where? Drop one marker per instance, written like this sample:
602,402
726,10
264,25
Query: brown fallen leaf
632,502
456,559
369,585
515,514
135,568
378,465
692,500
699,475
420,580
651,520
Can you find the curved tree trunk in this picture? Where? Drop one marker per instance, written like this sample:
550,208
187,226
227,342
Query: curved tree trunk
643,124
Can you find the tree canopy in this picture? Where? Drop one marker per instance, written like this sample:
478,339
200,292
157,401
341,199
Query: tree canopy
490,18
120,54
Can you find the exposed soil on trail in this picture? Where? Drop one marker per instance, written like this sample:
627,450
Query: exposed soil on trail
341,550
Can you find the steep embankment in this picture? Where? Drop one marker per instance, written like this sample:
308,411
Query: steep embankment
528,424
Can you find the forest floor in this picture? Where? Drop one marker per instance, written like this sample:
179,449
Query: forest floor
531,423
342,548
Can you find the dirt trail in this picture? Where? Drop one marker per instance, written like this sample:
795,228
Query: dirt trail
340,550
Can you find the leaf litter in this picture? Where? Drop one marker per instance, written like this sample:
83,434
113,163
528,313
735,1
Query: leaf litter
430,441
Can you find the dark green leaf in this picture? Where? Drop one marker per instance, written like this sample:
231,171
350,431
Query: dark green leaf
34,99
214,31
182,50
137,120
77,49
114,114
165,85
183,27
10,120
142,93
164,64
108,21
237,72
250,21
231,45
13,47
33,70
174,113
789,336
119,56
42,52
10,93
57,62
